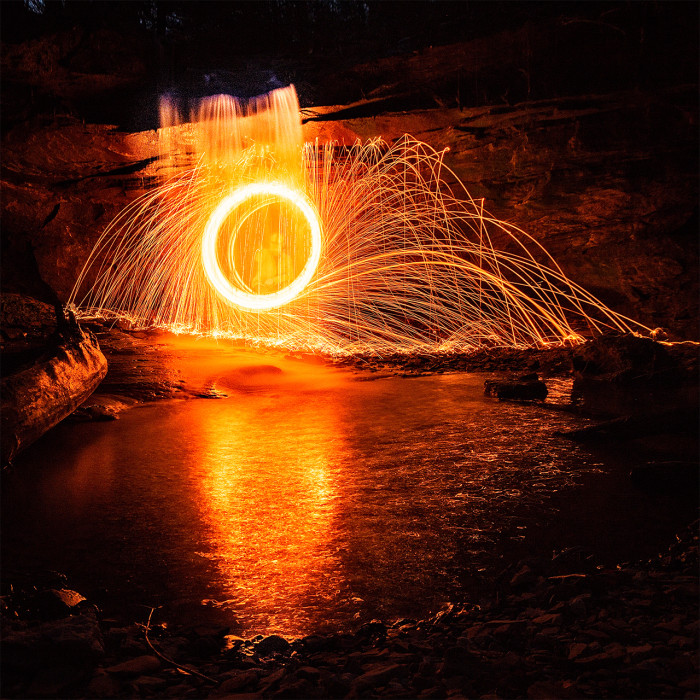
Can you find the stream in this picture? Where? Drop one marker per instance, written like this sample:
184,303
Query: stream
306,498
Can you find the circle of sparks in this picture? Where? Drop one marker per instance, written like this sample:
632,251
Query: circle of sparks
245,300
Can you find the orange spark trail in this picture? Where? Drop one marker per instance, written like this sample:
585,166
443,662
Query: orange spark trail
258,236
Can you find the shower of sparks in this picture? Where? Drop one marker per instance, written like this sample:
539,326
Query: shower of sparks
260,237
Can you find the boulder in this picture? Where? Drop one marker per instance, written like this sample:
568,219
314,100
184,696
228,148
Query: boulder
75,639
378,676
37,397
137,666
238,680
623,374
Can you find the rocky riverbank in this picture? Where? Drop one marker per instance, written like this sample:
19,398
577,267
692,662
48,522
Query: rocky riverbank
563,627
554,361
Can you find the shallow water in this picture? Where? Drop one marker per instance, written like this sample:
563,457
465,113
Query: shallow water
307,499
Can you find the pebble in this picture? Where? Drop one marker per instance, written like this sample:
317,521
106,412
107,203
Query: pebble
103,685
548,631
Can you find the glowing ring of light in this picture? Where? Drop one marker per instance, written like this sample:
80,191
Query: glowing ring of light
238,297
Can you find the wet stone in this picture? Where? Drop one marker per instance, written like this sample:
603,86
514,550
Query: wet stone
548,620
551,690
57,602
438,691
375,628
180,690
136,667
271,681
378,676
294,688
526,388
578,606
274,644
577,649
522,577
309,673
150,683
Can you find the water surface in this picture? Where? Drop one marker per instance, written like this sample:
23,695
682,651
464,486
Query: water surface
308,499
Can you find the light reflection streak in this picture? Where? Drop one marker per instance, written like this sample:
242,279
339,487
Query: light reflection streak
268,523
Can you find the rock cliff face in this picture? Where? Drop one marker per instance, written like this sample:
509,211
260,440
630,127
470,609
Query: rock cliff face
607,184
600,167
63,182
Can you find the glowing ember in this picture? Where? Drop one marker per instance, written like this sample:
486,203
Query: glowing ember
365,249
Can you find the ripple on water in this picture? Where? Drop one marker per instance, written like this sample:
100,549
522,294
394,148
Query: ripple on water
297,503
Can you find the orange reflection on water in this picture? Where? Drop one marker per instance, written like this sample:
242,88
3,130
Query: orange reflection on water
268,509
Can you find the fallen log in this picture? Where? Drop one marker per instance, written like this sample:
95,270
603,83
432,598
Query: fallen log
37,397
